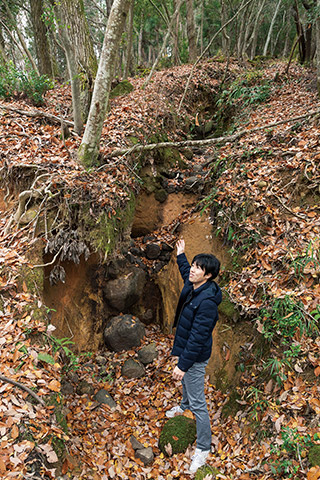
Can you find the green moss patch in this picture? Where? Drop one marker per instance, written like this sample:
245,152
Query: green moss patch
205,470
314,455
179,432
123,88
105,231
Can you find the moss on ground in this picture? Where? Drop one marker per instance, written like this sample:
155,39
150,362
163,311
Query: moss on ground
179,432
314,455
205,470
123,88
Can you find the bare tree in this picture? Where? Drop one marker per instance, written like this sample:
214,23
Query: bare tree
89,148
191,32
42,47
266,45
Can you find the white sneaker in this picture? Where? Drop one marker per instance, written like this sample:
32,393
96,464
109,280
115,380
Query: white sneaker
199,458
174,411
196,452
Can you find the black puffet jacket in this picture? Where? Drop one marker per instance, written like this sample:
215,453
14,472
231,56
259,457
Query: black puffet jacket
196,316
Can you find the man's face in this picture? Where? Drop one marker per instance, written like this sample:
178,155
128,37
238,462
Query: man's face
197,275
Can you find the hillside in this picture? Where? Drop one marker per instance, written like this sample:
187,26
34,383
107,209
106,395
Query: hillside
262,195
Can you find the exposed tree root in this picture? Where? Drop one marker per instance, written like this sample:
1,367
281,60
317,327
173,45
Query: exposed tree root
23,387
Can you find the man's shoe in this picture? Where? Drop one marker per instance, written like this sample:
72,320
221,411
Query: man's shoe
196,452
199,459
174,411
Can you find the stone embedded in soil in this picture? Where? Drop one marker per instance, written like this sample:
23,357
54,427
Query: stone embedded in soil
123,332
85,388
153,251
124,291
132,369
148,353
145,455
136,445
104,397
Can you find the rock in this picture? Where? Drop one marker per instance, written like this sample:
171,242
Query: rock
67,388
148,353
197,168
125,291
115,267
73,377
28,216
166,247
123,332
153,251
147,316
161,195
136,251
123,88
165,257
136,445
314,455
262,184
85,388
133,369
145,455
104,397
192,181
179,432
100,360
188,153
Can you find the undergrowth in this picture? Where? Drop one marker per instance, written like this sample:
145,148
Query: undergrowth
15,82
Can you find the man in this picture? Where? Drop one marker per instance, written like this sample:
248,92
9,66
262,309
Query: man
195,318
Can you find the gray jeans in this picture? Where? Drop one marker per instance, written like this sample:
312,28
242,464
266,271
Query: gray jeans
193,398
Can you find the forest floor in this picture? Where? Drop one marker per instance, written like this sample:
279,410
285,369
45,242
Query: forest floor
265,201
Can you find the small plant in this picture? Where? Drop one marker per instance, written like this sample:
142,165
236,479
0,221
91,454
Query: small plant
259,404
288,453
285,319
248,90
14,82
277,369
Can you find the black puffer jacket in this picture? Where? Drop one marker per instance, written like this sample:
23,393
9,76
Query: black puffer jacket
196,316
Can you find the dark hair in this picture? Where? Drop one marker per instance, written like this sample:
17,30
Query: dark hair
209,263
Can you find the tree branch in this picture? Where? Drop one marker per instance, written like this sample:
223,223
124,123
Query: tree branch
207,142
38,113
23,387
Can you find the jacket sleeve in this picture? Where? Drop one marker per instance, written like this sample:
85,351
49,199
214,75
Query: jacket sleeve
204,322
184,266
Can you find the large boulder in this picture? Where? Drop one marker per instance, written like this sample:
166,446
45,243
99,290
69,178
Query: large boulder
123,332
124,291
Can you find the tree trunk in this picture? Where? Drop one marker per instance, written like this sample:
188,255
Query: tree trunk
265,50
21,39
42,46
191,32
318,46
176,56
254,35
140,40
225,36
3,54
249,26
72,69
128,59
79,35
89,148
164,44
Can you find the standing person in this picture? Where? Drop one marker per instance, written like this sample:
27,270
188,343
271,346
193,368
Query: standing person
195,318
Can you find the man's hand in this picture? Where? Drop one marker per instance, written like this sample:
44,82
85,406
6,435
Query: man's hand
180,246
177,374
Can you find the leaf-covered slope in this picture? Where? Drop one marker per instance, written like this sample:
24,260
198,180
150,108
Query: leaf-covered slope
265,203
